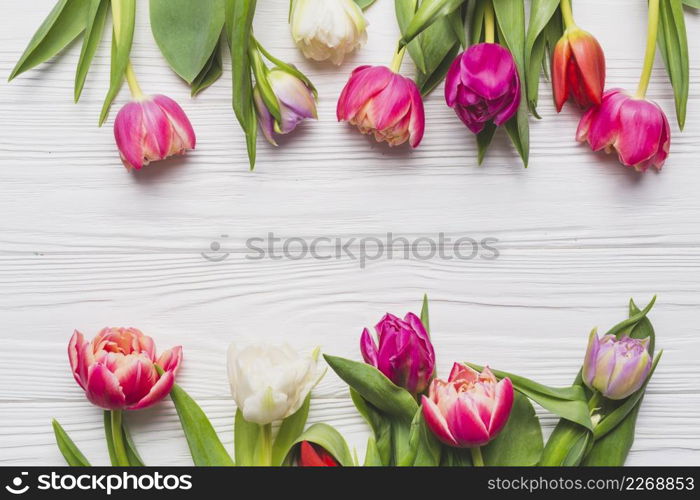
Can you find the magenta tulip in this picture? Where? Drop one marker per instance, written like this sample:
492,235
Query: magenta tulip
483,86
405,354
381,102
151,129
636,128
117,369
469,409
616,367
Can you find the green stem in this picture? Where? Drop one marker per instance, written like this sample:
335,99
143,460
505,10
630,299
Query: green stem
477,458
397,60
489,23
568,14
134,87
652,34
266,445
118,439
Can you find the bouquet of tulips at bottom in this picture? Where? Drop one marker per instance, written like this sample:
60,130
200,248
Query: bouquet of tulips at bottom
481,416
476,416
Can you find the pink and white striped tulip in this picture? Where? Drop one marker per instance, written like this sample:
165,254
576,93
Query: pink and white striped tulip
483,86
151,129
381,102
117,369
616,367
405,354
636,128
469,409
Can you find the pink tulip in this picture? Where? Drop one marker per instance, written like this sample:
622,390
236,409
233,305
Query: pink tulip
405,354
469,409
152,129
637,128
483,86
381,102
117,369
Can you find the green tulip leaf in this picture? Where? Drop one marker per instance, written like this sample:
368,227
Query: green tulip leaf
363,4
131,453
204,443
63,25
425,314
74,457
543,13
187,33
692,3
124,16
372,456
427,450
330,440
375,387
211,72
380,425
427,13
292,427
239,30
566,445
673,45
568,402
96,20
483,140
510,17
520,442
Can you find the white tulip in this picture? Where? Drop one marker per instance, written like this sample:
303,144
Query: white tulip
270,383
327,29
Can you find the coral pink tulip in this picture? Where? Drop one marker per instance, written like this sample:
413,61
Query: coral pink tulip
483,86
405,354
117,369
381,102
578,69
636,128
150,129
469,409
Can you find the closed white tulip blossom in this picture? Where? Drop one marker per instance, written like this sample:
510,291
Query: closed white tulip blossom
270,383
327,29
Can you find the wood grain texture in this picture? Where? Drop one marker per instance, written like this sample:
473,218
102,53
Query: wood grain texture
84,244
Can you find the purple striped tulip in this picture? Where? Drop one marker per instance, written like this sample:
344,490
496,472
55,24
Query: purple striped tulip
636,128
616,367
405,354
117,369
469,409
483,86
381,102
296,102
151,129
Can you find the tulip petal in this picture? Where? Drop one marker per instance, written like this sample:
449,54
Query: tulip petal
158,391
452,82
76,358
590,67
462,372
560,62
391,105
265,118
488,70
465,423
513,99
589,361
604,125
171,359
416,126
365,83
129,135
159,132
641,130
181,124
436,422
136,375
368,348
103,388
502,408
628,376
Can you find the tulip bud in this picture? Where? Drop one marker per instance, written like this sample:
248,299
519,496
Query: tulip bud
405,354
151,129
578,69
469,409
327,29
637,128
313,455
616,367
295,99
270,383
483,86
381,102
117,370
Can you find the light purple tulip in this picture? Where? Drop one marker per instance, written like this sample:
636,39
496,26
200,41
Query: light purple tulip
405,354
483,86
616,367
296,102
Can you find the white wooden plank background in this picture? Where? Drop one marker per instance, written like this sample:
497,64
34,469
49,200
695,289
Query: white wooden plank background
84,244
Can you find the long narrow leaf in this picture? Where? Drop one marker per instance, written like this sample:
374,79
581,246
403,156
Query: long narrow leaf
96,19
289,431
673,45
74,457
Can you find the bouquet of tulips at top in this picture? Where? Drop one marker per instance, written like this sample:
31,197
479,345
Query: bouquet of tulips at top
473,417
490,61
